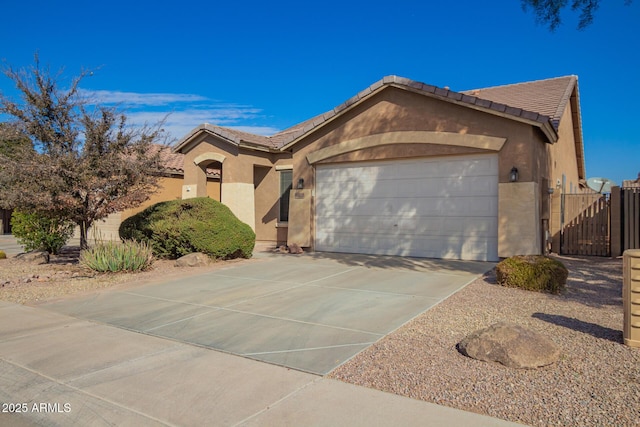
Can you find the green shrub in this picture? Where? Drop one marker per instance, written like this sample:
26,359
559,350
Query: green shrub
3,255
36,231
117,256
532,272
180,227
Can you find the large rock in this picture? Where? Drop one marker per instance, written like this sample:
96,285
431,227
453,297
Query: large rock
512,345
196,259
295,248
34,257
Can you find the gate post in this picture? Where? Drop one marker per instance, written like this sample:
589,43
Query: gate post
616,222
555,226
631,297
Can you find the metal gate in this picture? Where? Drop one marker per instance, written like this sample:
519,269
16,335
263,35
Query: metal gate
586,225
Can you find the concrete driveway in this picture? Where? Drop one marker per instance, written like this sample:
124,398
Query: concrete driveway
311,312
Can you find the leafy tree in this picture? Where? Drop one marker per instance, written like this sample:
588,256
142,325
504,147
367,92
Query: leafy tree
13,143
86,161
548,11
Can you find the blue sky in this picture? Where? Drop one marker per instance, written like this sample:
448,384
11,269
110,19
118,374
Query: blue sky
264,66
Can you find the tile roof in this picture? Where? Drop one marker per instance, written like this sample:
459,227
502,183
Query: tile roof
546,97
173,163
539,102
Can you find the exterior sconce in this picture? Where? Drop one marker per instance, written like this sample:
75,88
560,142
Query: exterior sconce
300,185
550,190
513,176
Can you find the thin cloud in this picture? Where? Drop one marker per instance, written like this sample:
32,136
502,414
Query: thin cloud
180,113
140,99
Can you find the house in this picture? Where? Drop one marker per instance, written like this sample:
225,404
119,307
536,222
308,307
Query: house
405,168
402,168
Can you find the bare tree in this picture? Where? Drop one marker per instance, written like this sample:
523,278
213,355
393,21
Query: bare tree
85,161
548,11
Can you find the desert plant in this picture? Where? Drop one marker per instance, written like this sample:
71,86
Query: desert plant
82,160
178,227
3,255
36,231
532,272
112,256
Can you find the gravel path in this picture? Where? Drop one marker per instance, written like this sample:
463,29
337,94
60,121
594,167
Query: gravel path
596,382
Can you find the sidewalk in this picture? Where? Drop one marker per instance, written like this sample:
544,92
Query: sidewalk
9,245
65,371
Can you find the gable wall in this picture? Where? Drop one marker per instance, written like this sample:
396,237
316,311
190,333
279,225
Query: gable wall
562,154
399,110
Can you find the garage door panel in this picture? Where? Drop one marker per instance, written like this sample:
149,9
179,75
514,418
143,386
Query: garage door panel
448,247
442,208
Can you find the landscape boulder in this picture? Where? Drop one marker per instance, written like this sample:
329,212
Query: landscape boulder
34,257
511,345
295,248
195,259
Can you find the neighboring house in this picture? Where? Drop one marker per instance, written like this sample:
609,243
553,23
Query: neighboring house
405,168
631,183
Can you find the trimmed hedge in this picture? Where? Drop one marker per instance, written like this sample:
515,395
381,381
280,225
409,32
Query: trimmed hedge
179,227
532,272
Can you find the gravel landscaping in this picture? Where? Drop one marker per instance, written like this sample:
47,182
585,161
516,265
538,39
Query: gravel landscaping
30,284
595,383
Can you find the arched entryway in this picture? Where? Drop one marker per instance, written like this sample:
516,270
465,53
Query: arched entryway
208,177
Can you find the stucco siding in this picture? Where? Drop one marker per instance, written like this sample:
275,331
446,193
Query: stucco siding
518,219
563,154
396,110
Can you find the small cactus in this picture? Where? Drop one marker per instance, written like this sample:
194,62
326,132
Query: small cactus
3,255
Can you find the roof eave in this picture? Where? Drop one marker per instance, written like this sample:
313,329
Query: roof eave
257,147
338,111
577,127
542,122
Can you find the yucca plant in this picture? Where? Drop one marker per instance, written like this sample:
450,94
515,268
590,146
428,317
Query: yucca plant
116,256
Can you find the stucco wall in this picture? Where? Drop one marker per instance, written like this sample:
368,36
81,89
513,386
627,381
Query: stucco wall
562,162
170,189
563,154
397,110
518,219
250,182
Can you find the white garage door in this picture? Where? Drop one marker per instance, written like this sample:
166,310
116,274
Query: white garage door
444,207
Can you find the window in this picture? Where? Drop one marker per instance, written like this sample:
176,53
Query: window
286,183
